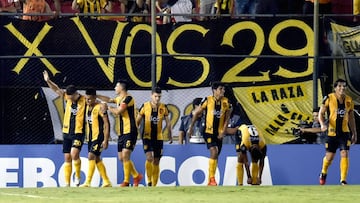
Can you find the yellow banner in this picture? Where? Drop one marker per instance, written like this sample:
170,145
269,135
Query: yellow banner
277,109
346,43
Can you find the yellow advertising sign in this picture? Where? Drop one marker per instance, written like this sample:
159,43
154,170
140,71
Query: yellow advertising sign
277,109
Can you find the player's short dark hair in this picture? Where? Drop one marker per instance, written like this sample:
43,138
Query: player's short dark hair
336,83
216,84
90,91
124,84
156,90
196,102
70,90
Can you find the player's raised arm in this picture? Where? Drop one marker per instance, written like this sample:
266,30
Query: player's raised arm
52,85
105,99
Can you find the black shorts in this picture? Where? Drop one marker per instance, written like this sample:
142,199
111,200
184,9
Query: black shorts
127,141
213,141
95,147
155,146
71,141
341,142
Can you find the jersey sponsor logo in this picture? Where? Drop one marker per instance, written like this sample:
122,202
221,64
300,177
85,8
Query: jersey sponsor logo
341,113
74,111
154,120
217,114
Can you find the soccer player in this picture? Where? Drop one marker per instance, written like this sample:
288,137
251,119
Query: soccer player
340,108
253,142
97,132
153,113
217,113
127,130
242,159
73,128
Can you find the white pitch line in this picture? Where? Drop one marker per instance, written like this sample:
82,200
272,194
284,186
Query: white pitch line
23,195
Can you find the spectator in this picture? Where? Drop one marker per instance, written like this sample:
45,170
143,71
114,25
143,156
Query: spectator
39,7
185,123
245,7
341,129
11,6
183,7
315,129
153,113
217,113
224,7
206,8
162,7
356,10
136,6
92,7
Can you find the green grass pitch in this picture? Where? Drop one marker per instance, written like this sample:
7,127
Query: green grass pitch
186,194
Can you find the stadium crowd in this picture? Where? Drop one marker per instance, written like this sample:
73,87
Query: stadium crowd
171,10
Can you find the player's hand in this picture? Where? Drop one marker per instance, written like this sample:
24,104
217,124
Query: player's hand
323,128
353,139
46,76
105,144
221,136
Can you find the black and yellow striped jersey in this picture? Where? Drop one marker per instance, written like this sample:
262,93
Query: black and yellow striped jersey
91,6
74,117
153,120
127,118
215,113
338,113
250,135
95,123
